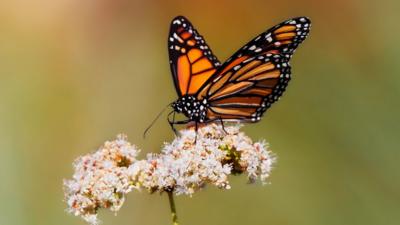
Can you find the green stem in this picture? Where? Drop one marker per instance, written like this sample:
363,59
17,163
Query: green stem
173,209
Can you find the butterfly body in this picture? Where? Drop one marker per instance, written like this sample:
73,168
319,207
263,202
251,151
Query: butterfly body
242,88
192,108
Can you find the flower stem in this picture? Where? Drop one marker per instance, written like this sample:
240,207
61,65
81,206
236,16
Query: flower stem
173,209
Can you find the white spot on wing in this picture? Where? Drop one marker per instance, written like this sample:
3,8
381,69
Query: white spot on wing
248,60
236,67
176,22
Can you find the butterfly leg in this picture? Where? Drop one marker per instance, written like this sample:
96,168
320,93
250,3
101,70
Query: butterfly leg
221,121
196,127
172,122
222,124
179,123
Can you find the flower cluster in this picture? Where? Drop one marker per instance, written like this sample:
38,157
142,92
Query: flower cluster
101,179
184,166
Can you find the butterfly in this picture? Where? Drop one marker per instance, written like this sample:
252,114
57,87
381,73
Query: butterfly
240,89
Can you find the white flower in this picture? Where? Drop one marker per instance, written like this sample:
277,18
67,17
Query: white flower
184,166
100,180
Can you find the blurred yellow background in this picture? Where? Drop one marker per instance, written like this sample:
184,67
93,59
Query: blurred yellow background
76,73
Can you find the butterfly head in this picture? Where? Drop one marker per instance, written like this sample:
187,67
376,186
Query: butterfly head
192,108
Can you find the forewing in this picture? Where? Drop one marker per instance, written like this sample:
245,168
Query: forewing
191,60
282,39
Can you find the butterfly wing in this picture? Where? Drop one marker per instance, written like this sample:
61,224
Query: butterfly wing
282,39
191,60
247,90
255,76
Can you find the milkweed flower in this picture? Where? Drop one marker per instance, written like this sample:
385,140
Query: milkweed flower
184,166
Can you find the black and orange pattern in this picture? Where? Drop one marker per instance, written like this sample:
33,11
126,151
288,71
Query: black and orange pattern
242,88
191,60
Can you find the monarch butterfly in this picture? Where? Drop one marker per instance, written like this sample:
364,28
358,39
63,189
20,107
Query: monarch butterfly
242,88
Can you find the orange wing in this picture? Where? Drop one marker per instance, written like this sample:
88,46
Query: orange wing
191,60
247,84
248,89
281,39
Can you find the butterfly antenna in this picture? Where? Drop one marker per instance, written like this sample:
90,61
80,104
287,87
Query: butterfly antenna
155,119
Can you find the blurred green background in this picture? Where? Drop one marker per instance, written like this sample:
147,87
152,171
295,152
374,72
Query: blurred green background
76,73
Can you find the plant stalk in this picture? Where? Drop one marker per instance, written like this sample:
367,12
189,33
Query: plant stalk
173,208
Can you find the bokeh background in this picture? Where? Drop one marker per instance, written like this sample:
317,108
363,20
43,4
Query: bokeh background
76,73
